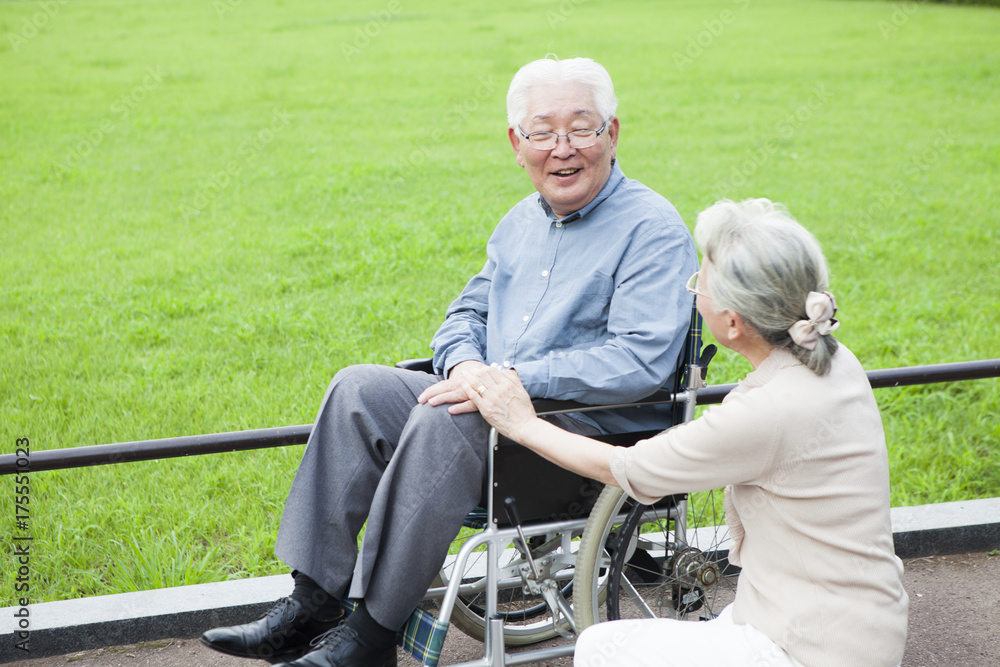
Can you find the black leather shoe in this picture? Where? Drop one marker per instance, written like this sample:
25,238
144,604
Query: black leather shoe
284,633
342,647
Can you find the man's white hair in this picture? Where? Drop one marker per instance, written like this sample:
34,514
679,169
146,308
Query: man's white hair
553,71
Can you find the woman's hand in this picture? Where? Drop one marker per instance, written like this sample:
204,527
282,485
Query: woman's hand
501,399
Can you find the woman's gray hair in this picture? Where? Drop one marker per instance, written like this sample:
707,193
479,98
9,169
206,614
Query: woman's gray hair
764,264
548,72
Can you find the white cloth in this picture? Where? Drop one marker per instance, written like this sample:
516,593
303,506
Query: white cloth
655,642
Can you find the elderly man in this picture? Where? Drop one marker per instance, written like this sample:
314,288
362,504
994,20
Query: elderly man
582,296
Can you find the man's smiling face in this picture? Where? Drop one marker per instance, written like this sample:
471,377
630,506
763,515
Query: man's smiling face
568,178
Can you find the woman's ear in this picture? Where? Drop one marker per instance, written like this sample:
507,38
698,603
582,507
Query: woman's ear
735,328
745,340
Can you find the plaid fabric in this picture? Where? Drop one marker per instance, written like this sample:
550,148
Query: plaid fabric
422,636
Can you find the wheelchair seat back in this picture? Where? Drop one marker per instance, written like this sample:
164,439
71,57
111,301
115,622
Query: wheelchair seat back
543,490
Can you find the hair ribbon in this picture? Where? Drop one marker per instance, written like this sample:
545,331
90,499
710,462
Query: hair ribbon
820,309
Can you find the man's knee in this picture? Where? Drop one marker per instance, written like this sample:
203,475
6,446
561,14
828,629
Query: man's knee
431,416
360,375
360,385
437,420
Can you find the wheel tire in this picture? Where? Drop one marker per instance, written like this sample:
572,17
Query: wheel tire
589,583
688,579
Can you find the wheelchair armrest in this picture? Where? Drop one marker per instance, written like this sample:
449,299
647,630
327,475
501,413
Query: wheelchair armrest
547,406
426,365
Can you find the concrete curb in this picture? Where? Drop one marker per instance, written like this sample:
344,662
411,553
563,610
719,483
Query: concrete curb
946,528
69,626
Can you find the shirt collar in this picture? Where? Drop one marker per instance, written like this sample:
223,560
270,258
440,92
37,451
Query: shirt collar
614,180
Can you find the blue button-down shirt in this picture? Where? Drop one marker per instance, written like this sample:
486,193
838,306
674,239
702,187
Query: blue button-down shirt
590,307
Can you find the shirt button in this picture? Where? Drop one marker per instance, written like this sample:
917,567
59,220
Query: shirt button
558,224
527,317
545,274
506,364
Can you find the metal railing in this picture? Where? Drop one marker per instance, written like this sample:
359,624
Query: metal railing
191,445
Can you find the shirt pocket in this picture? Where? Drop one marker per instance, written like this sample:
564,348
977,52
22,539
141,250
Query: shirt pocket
574,312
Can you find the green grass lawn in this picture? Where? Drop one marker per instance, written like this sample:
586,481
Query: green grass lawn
207,208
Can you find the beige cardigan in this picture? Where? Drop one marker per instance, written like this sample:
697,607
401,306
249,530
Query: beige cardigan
807,504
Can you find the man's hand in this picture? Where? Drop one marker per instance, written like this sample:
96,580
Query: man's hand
451,391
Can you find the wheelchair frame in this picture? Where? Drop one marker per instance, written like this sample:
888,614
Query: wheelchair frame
538,579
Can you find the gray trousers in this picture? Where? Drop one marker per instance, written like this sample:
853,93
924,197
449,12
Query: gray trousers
412,471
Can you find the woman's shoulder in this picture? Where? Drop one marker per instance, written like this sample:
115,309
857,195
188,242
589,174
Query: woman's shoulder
846,368
791,385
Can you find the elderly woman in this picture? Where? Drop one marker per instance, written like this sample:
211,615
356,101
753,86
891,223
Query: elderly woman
799,446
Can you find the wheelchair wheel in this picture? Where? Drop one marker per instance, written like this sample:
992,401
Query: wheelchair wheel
649,568
527,619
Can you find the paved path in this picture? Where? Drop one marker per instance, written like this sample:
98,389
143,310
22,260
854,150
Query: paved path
954,622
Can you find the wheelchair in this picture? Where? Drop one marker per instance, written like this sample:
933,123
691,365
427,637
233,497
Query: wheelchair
548,549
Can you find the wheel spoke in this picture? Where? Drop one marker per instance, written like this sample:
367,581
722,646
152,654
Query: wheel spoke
656,569
527,611
636,598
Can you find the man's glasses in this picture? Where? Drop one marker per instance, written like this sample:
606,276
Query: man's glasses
692,285
546,141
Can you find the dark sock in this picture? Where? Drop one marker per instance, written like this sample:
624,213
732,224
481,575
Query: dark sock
315,599
370,631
